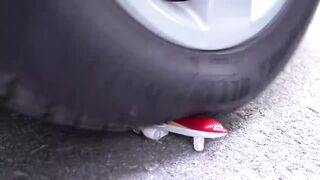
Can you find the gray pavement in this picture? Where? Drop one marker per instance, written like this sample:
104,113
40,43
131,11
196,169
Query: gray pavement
276,136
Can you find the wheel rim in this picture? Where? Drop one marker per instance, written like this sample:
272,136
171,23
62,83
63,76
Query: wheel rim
204,24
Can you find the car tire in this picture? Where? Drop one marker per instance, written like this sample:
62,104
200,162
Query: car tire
88,64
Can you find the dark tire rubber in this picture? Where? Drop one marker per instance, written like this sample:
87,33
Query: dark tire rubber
88,64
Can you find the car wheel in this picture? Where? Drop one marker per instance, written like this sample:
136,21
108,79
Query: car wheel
103,64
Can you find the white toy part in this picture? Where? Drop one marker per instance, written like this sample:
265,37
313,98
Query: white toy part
198,143
154,132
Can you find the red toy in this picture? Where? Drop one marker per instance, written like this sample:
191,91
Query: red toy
197,127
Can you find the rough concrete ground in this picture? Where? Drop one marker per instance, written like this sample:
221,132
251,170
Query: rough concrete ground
276,137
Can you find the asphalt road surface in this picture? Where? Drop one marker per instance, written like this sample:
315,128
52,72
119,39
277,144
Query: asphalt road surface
276,136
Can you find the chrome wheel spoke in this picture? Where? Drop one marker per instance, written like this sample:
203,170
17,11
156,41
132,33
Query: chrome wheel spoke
201,11
204,24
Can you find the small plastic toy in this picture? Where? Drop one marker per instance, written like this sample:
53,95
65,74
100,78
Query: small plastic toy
197,127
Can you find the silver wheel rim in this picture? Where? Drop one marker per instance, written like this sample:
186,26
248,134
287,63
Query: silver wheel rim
204,24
